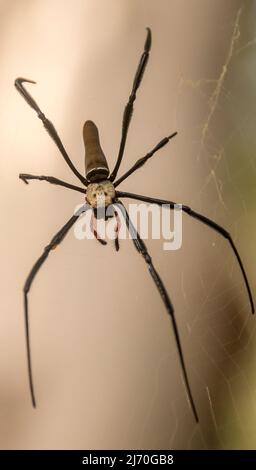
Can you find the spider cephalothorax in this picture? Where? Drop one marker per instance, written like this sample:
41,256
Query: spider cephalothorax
100,194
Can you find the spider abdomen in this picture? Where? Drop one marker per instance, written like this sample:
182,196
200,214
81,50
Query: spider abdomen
96,167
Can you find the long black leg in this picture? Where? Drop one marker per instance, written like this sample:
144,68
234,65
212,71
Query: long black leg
143,160
142,249
56,240
129,107
205,221
51,179
48,125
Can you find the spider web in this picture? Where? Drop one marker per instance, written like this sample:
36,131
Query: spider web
219,326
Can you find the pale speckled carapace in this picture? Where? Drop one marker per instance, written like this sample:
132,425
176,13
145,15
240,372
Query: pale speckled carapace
100,194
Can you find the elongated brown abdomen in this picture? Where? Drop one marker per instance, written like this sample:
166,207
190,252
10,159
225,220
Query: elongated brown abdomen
96,167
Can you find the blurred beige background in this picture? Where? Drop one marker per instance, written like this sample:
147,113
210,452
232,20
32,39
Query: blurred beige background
105,363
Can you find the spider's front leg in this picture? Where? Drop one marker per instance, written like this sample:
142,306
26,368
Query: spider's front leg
117,229
142,249
47,124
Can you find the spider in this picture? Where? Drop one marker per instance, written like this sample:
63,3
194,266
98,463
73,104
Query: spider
99,188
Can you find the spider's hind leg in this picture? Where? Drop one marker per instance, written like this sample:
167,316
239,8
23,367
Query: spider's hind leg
48,125
128,110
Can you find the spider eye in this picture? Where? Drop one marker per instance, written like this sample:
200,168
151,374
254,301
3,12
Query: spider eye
94,195
105,192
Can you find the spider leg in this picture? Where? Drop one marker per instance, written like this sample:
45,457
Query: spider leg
143,160
117,228
48,125
56,240
94,230
210,223
129,106
51,179
142,249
